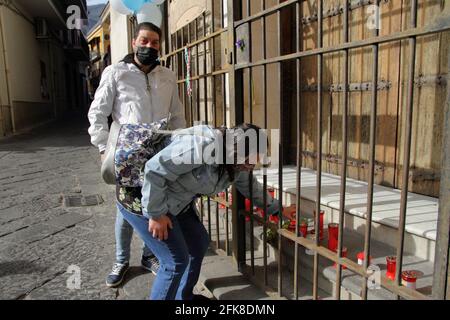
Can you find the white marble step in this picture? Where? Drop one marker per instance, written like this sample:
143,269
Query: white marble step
421,213
351,283
418,255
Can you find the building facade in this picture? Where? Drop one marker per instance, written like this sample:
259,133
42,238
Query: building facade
42,62
99,39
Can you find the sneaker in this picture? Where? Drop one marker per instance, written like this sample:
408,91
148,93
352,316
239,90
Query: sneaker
150,263
117,274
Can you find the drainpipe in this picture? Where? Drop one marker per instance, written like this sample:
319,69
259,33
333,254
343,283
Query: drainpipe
8,92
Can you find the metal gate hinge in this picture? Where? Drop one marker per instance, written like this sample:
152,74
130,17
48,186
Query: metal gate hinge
331,158
339,9
422,80
352,87
420,174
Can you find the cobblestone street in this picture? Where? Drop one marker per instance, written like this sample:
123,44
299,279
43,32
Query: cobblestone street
56,215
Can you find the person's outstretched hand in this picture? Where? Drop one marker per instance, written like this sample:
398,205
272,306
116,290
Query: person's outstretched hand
290,212
158,227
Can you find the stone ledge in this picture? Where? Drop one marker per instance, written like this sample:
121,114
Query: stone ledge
421,214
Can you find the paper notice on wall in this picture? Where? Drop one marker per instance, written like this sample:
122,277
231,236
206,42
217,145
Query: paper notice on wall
182,12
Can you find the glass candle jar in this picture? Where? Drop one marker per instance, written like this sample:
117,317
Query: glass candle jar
333,232
303,229
247,205
360,257
292,224
391,262
409,279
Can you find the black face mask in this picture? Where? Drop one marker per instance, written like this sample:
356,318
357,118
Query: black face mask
147,56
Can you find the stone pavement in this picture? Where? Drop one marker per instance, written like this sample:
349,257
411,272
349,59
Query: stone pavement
41,236
57,219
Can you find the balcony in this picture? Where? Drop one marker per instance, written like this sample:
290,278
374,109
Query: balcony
76,45
95,56
54,11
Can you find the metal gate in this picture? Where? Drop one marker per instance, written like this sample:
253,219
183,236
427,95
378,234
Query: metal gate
195,54
218,71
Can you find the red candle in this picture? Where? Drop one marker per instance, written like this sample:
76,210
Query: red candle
333,232
222,196
292,224
409,279
247,205
391,262
303,229
360,257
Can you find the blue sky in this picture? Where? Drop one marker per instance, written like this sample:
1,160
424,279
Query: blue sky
93,2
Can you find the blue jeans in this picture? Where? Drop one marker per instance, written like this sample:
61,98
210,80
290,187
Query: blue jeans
124,234
180,256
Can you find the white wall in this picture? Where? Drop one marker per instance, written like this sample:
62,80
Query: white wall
23,55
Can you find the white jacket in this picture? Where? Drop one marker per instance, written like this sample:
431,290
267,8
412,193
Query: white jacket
131,96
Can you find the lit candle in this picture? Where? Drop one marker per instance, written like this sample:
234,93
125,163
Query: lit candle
391,262
303,228
409,279
360,257
333,232
247,205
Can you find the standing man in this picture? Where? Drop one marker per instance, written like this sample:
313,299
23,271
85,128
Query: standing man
136,90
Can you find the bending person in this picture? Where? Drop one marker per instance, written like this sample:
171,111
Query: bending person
184,170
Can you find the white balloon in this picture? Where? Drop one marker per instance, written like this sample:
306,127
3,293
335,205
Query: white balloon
118,6
150,13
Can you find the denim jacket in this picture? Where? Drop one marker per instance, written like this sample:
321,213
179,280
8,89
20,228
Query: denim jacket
170,184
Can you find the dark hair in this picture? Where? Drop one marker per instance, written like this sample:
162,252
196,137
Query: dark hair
147,26
249,149
241,131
